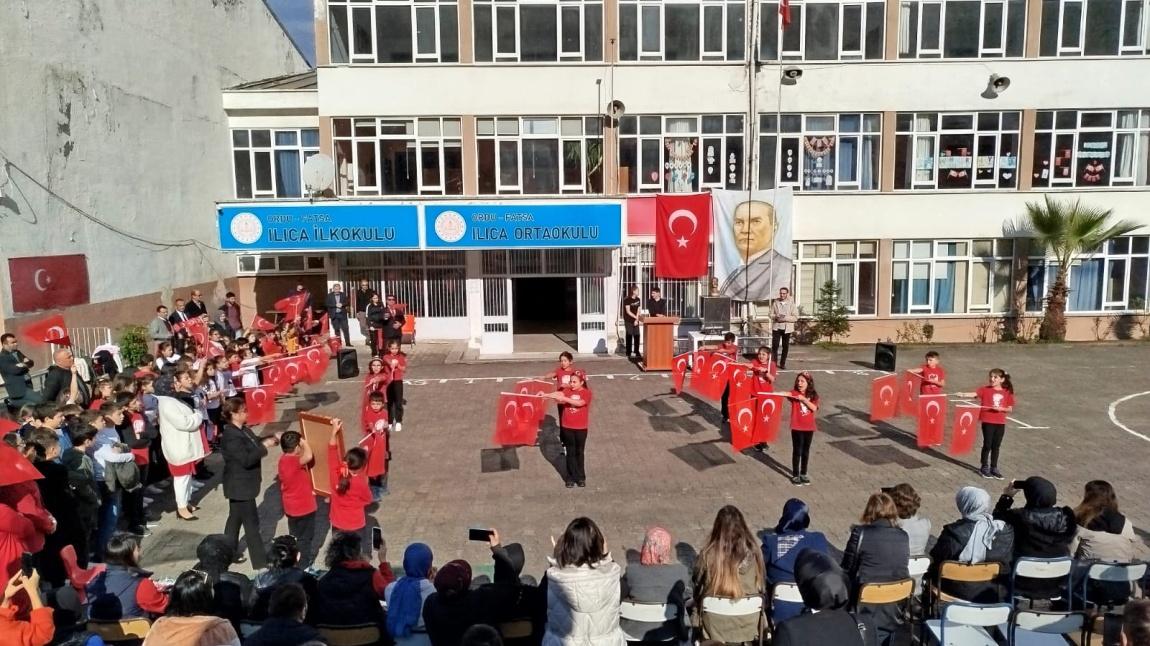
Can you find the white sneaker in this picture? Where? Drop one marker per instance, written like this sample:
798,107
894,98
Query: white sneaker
391,426
398,426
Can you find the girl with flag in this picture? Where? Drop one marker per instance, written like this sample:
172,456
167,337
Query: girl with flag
574,418
397,361
995,400
377,380
764,372
804,405
350,492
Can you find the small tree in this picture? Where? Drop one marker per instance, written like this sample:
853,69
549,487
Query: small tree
133,345
1069,230
831,316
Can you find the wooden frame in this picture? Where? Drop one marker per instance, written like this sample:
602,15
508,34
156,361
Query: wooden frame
317,430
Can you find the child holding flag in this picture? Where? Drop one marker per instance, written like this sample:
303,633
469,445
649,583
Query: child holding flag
574,417
995,399
764,371
933,376
397,360
375,442
350,492
804,405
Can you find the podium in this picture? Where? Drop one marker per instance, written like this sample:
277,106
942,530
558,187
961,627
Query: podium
658,342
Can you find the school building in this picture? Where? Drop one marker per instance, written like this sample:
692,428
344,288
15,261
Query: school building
492,163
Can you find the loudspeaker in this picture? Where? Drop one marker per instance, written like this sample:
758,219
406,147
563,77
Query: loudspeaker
347,364
716,313
884,356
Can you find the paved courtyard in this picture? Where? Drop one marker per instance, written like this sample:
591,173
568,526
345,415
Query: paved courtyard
653,457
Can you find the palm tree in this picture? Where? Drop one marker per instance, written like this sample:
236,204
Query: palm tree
1069,231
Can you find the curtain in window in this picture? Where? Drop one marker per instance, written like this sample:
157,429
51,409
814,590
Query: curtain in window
287,174
868,162
1086,286
944,288
898,295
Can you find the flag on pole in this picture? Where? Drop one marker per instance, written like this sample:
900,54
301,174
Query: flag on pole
49,330
931,418
536,388
291,306
884,398
785,12
262,324
274,377
515,419
317,359
682,234
739,380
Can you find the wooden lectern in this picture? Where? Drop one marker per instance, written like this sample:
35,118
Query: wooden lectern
658,342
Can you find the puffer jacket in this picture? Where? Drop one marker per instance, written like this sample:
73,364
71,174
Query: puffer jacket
1090,545
1041,530
583,605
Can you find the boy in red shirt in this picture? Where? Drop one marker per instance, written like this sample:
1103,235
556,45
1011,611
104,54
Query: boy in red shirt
933,376
376,442
296,492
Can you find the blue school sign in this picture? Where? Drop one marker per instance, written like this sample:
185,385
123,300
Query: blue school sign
522,225
318,227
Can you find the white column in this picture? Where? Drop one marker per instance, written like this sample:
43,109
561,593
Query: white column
474,282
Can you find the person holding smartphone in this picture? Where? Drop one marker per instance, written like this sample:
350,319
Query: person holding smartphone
574,418
38,630
243,451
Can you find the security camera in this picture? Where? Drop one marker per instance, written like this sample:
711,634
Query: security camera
791,75
995,85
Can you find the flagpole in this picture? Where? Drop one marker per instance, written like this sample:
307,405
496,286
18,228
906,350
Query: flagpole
752,89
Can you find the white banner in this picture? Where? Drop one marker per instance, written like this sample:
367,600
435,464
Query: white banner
752,237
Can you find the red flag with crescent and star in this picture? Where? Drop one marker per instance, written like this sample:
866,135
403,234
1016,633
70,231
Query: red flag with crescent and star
884,398
931,418
536,387
769,411
515,419
739,379
48,282
709,373
274,376
743,424
197,329
317,359
261,405
262,324
49,330
908,394
296,369
963,432
291,306
679,371
682,234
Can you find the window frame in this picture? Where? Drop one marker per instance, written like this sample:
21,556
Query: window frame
1109,257
1138,136
869,128
935,133
700,133
936,257
591,134
372,57
515,8
1140,48
304,153
906,23
659,55
768,14
273,259
835,261
417,142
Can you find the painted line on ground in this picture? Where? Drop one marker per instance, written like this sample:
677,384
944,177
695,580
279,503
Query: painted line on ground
1021,424
1114,417
630,376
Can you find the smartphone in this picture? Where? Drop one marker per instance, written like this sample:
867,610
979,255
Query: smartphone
482,535
27,564
1018,484
376,538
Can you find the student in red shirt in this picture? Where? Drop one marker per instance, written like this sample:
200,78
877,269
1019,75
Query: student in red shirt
375,442
763,372
296,493
573,421
731,349
397,360
350,493
804,405
933,376
563,372
995,400
377,379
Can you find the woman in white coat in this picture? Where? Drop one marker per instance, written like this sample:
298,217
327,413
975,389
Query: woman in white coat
583,590
181,437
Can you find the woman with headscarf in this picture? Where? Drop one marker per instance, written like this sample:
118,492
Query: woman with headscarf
975,538
1041,530
656,578
454,606
406,596
782,548
826,595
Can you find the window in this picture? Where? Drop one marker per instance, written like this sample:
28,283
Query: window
951,276
654,30
961,28
1092,149
820,152
1114,278
852,264
393,31
956,150
681,154
539,155
430,283
385,156
285,264
822,31
267,163
538,30
637,267
1094,28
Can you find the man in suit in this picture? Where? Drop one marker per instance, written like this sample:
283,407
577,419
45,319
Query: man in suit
336,305
764,269
362,300
14,367
62,384
160,329
196,306
394,320
178,319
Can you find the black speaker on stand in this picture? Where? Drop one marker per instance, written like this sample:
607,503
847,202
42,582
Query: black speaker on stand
884,356
347,364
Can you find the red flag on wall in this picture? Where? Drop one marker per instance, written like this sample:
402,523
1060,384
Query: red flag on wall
931,418
908,395
884,398
769,416
679,371
274,377
48,282
742,424
515,419
49,330
291,306
682,234
261,405
262,324
963,433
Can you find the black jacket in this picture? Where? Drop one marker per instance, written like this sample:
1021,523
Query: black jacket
267,581
1041,530
346,596
192,309
836,627
58,383
243,452
876,553
448,617
330,304
362,299
952,540
281,632
16,379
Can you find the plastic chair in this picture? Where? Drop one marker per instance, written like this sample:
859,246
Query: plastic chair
917,566
1034,628
787,592
1103,572
78,577
1044,569
652,613
363,635
965,624
960,573
744,607
407,332
121,632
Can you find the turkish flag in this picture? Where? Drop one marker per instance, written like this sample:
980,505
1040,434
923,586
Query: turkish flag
317,359
679,371
515,419
291,306
709,376
262,324
743,424
908,395
785,12
274,376
212,351
536,387
270,346
48,282
49,330
682,234
963,433
196,329
931,418
261,405
296,368
15,468
884,398
769,416
739,379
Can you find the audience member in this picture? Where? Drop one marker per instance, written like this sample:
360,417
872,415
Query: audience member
284,624
349,593
38,629
454,606
511,595
583,589
406,596
656,578
232,592
57,497
729,566
826,596
124,590
1041,530
917,528
1104,534
1136,623
190,619
283,569
782,548
975,538
481,635
878,552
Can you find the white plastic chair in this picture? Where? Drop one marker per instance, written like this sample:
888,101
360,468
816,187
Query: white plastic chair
786,592
918,566
1046,569
652,613
965,624
744,607
1033,628
1128,573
